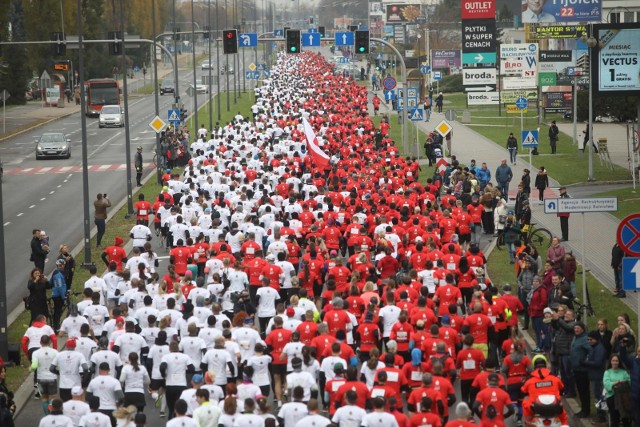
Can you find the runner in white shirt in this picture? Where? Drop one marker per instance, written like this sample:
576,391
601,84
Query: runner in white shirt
193,346
72,324
104,355
248,418
41,360
218,360
314,419
247,338
174,367
292,412
260,363
300,378
97,284
293,349
95,418
181,419
189,394
389,314
69,365
140,234
207,414
133,263
379,418
56,418
130,342
76,408
106,388
96,314
349,415
135,380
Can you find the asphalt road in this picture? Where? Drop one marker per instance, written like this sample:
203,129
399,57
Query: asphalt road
47,194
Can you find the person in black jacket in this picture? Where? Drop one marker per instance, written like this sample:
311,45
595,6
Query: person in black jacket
541,183
616,263
38,253
38,285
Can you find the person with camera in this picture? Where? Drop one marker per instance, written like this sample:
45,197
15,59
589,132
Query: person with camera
100,216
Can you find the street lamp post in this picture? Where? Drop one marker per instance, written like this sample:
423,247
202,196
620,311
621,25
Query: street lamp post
592,42
156,99
193,59
210,65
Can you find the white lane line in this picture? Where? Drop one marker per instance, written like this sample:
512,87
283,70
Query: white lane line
66,180
104,143
20,214
42,199
59,185
32,206
52,191
7,223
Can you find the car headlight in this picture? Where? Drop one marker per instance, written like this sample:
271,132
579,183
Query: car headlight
38,147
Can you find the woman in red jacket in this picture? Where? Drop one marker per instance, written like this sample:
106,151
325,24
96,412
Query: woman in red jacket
537,303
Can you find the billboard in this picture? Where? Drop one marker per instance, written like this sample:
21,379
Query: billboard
445,58
617,63
556,102
478,9
548,11
376,9
539,31
402,13
479,35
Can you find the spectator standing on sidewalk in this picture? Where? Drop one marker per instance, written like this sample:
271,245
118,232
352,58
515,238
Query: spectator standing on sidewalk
553,136
38,251
427,109
503,177
439,102
616,383
512,146
537,303
138,164
564,327
541,183
100,217
595,364
564,217
579,351
616,263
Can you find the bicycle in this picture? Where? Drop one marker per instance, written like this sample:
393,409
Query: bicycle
579,308
535,235
66,307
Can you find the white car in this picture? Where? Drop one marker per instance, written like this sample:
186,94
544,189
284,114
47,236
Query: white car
206,65
200,88
111,115
607,118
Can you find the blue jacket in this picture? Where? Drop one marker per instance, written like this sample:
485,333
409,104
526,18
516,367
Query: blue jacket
633,364
579,351
595,362
59,284
483,175
503,174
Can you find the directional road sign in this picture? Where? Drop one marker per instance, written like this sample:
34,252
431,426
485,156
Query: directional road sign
173,115
485,88
442,164
437,75
389,82
247,40
631,274
252,75
529,138
522,103
628,235
278,32
345,39
478,58
586,205
425,69
389,95
416,115
266,72
311,39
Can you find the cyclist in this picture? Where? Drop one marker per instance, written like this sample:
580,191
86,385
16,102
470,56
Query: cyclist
542,382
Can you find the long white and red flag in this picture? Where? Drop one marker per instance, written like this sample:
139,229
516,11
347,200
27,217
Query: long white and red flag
320,158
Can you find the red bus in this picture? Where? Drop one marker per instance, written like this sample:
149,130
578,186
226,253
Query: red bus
100,92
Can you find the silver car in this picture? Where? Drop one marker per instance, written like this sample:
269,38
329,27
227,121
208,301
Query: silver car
53,144
111,115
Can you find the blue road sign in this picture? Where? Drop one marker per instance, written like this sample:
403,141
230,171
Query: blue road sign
261,66
479,58
529,138
522,103
412,93
389,82
425,69
252,75
437,75
311,39
631,274
571,71
628,235
278,32
343,60
345,39
173,115
266,72
248,40
416,115
389,95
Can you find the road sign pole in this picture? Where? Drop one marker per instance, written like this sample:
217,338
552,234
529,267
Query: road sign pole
584,271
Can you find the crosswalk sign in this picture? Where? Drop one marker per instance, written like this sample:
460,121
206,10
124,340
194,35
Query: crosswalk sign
416,115
529,138
173,115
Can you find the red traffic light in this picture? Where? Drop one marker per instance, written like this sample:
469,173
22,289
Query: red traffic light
229,35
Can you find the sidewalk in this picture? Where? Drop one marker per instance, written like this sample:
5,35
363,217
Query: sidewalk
599,234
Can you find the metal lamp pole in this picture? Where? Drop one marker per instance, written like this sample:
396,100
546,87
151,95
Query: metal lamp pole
591,43
155,92
210,65
193,59
127,135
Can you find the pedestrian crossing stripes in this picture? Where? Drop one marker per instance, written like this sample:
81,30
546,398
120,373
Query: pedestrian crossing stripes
45,170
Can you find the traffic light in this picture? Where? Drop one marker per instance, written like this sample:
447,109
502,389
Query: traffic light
353,28
321,31
362,41
58,47
115,47
293,41
311,20
230,41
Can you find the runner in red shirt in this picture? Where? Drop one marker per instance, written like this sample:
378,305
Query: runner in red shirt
478,325
401,332
470,362
115,253
337,318
491,402
143,210
308,329
180,257
276,340
367,335
322,341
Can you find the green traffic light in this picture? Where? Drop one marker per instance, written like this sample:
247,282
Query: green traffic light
293,48
361,49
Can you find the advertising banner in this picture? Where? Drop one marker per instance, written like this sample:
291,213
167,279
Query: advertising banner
549,11
478,9
509,83
555,55
510,97
556,102
375,8
479,76
479,35
402,13
618,58
445,58
540,31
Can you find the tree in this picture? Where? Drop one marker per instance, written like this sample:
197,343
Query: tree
15,76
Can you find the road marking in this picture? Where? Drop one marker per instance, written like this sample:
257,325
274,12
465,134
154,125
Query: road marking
25,170
64,168
20,214
103,167
52,191
104,143
7,223
45,169
32,206
44,198
59,185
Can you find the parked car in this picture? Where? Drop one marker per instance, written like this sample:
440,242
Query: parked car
53,144
167,86
568,115
111,115
607,118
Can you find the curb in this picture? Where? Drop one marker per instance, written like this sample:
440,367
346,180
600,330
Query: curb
32,126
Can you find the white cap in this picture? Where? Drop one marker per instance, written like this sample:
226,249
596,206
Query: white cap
76,390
